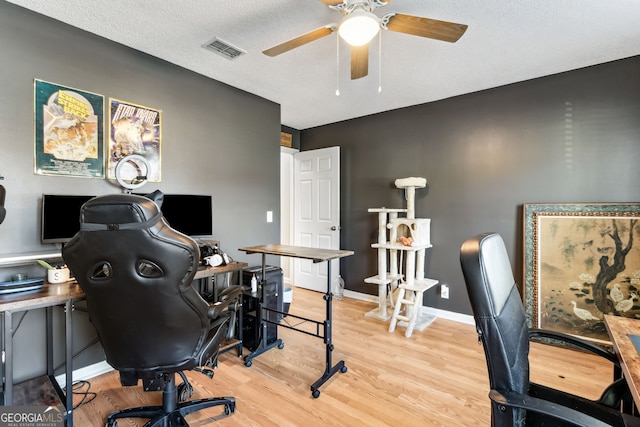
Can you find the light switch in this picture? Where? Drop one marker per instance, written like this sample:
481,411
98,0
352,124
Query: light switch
269,216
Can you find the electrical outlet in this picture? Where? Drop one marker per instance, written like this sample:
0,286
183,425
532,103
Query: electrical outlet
444,291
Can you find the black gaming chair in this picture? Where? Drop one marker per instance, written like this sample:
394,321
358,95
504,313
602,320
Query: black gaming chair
3,211
502,327
136,273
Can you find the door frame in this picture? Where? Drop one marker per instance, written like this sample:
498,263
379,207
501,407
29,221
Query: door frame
287,209
287,218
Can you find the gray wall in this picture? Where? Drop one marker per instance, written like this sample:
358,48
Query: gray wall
216,140
572,137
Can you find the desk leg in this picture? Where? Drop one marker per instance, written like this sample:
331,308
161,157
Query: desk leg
329,371
50,371
68,308
66,400
8,358
239,315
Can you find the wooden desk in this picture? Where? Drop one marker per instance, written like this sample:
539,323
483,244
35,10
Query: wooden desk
619,329
212,271
49,296
316,255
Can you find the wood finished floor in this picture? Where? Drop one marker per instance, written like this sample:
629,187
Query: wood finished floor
437,377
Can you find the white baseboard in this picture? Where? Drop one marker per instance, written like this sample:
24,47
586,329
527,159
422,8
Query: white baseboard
85,373
449,315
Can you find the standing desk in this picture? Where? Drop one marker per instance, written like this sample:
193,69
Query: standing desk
316,255
49,296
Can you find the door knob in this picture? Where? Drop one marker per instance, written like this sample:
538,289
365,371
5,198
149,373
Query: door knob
334,228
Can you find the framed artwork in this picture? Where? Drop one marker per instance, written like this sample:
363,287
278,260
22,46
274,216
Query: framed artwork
69,127
581,261
134,130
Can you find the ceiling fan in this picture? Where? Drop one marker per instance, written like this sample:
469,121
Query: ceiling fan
359,25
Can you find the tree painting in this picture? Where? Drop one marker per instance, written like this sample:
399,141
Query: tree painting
587,266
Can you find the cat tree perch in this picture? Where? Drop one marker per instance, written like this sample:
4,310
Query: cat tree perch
404,246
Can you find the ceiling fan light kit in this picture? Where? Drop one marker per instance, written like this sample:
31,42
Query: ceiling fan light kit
360,25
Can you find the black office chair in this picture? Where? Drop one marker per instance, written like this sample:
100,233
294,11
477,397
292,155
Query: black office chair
502,327
3,211
136,273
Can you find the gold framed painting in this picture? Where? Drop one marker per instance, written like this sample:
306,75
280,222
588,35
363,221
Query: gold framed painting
581,261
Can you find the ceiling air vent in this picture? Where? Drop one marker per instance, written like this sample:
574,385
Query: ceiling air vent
223,48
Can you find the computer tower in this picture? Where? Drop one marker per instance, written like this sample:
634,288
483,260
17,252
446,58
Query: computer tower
273,298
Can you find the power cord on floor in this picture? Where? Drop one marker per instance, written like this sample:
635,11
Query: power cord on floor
78,388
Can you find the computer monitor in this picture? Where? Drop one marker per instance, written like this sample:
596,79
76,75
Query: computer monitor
190,214
60,217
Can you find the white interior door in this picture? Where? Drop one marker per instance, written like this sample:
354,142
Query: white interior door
316,198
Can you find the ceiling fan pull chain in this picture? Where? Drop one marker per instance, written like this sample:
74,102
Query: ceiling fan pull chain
337,66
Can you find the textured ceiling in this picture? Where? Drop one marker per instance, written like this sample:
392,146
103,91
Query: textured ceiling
507,41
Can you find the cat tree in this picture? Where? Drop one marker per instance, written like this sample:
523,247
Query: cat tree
404,246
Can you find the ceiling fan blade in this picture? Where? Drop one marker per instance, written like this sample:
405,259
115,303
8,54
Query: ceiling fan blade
425,27
300,40
359,61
